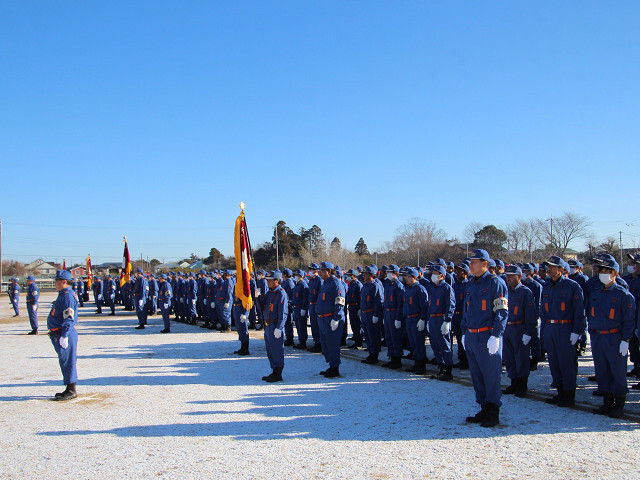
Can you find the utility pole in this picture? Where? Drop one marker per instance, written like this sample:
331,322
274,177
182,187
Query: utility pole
621,256
418,257
277,261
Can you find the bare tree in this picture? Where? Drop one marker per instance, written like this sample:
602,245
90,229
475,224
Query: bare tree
559,232
469,232
415,241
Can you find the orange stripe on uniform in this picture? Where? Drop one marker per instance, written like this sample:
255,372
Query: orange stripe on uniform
484,305
612,313
515,310
562,306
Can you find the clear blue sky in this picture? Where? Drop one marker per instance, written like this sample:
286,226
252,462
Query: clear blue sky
154,119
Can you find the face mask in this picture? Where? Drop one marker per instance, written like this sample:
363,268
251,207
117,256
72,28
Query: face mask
389,276
435,278
631,269
605,278
572,270
297,278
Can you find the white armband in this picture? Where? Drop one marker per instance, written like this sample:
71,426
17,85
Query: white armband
68,313
500,303
340,301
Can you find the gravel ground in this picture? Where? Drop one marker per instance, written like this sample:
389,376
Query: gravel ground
180,406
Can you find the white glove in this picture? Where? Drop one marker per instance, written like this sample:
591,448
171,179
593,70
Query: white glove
374,320
573,338
257,293
624,348
213,305
99,297
277,333
334,325
243,318
526,339
64,342
204,301
112,297
226,305
463,345
446,328
181,300
493,344
140,303
397,323
420,325
303,313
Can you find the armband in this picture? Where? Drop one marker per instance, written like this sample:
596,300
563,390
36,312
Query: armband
68,313
500,303
340,301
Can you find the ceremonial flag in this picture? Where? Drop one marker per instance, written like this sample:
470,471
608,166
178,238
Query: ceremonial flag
126,264
88,271
244,262
64,263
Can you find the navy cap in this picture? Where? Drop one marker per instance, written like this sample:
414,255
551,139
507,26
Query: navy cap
576,263
313,266
499,263
479,254
635,258
274,275
164,275
440,261
229,272
384,268
139,270
372,269
451,264
302,273
438,268
554,261
287,271
411,271
151,275
526,267
513,270
32,278
543,267
326,265
359,268
353,271
463,266
492,262
338,271
62,275
608,263
393,268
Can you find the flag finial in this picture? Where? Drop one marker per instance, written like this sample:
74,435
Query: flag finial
242,205
125,238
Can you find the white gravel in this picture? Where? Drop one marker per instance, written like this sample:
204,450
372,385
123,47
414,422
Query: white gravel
179,406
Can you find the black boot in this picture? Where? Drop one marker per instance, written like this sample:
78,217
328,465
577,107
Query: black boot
371,359
394,364
478,417
301,346
244,349
492,417
332,372
462,364
317,348
568,399
533,363
445,374
288,342
33,332
412,368
618,406
68,394
511,389
606,406
420,367
522,387
557,398
275,376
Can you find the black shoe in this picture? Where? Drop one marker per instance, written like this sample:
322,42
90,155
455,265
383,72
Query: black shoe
354,346
411,369
568,400
555,399
16,315
370,360
275,376
33,332
618,406
343,342
394,364
522,387
205,325
433,361
478,417
288,342
317,348
301,346
331,372
68,394
445,375
166,330
140,327
112,314
244,349
462,365
511,389
597,393
606,407
636,386
592,378
533,363
492,417
633,372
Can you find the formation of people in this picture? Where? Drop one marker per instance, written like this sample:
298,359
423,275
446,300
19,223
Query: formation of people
498,315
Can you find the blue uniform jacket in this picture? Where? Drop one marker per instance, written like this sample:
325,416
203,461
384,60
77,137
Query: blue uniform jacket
165,292
612,308
522,309
458,293
393,295
153,287
225,291
331,299
33,293
97,288
141,289
563,300
191,289
275,307
80,288
442,301
372,298
536,289
60,319
416,302
315,284
300,296
479,310
353,293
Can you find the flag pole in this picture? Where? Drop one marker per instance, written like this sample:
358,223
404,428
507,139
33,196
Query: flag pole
255,277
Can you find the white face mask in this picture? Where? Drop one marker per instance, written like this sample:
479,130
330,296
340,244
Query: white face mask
631,269
572,270
435,278
297,278
605,278
389,276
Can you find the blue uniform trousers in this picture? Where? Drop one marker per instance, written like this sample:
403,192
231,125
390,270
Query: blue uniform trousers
330,340
514,353
67,356
32,310
313,320
371,332
456,331
535,345
275,346
392,335
190,309
301,325
224,314
15,303
416,338
485,369
212,312
562,355
610,366
241,327
141,312
634,351
288,325
356,323
111,304
98,303
165,313
440,344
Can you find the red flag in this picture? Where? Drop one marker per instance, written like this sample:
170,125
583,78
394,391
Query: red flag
126,264
64,264
88,271
244,262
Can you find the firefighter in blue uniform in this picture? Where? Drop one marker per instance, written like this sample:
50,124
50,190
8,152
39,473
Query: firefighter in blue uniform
371,312
140,294
416,314
224,301
203,288
634,344
33,294
152,300
61,324
529,281
165,295
442,304
483,322
97,293
241,321
563,316
109,293
275,304
210,302
459,287
300,305
14,296
611,315
80,291
353,307
191,294
315,283
393,331
330,310
287,285
178,296
521,327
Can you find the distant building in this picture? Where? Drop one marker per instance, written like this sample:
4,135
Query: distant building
79,271
108,267
570,254
40,267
